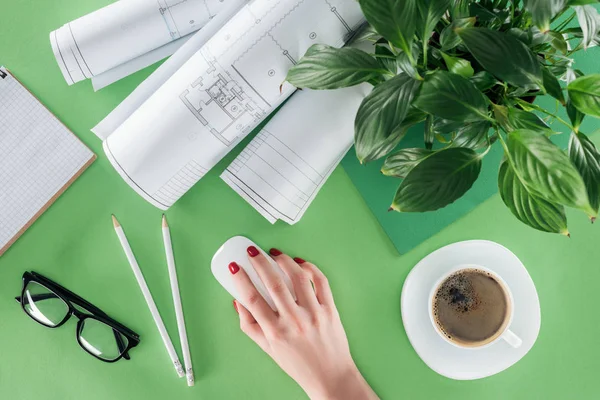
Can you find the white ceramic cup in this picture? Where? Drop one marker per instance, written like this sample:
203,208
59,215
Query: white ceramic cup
507,335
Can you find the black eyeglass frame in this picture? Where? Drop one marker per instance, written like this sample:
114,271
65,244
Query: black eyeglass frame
71,299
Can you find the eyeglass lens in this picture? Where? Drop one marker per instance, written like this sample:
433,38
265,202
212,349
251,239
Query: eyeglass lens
43,305
101,340
96,337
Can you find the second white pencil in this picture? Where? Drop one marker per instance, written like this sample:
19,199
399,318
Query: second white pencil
185,348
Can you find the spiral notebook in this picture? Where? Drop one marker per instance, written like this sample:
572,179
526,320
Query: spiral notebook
39,159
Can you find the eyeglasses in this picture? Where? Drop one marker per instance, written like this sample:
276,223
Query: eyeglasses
51,305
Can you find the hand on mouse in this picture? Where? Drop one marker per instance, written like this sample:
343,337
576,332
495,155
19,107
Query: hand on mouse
306,337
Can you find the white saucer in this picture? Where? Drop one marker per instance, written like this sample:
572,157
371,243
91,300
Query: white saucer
439,355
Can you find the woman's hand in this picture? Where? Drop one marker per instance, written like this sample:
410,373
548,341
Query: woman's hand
305,337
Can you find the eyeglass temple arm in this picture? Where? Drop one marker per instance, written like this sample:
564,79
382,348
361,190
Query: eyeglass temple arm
46,296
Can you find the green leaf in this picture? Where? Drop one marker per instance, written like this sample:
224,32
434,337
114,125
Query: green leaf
366,34
448,38
558,42
405,63
527,206
542,11
386,145
458,66
452,97
519,119
437,181
326,67
503,55
546,170
400,163
538,37
473,136
459,9
483,80
552,85
575,116
429,12
501,116
589,21
584,93
443,126
379,118
393,19
388,63
585,157
482,13
523,36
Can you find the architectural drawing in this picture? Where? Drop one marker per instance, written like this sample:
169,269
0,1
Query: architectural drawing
181,19
229,99
126,31
220,103
227,86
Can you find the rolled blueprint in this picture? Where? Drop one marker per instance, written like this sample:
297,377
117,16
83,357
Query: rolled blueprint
158,78
222,93
283,168
135,32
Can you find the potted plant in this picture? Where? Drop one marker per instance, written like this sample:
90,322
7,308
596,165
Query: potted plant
470,71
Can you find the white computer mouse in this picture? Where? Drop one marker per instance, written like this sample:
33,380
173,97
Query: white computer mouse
235,250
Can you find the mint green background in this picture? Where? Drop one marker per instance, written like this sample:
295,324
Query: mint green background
74,243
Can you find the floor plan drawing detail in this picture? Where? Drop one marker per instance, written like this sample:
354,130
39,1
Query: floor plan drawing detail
221,104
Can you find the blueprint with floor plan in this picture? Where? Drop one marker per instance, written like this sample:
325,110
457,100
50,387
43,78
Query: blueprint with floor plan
234,80
127,36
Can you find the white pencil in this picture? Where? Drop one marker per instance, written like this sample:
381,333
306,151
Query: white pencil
185,347
149,300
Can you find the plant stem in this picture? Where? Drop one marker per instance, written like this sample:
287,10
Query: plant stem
392,49
501,139
577,48
565,23
557,16
486,151
512,11
540,109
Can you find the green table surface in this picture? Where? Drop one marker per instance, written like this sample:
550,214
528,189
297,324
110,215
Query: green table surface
74,243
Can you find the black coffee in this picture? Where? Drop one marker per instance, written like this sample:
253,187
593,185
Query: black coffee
471,307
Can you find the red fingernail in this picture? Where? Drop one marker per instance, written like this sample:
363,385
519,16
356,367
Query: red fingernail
253,251
299,260
235,306
234,268
275,252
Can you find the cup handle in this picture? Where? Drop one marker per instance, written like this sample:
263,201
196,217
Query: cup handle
512,339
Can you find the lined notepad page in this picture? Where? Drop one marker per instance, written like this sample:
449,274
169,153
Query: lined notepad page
39,158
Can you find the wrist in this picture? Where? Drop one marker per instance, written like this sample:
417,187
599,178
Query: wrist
348,384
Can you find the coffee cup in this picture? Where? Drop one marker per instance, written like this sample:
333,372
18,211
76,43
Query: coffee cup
471,307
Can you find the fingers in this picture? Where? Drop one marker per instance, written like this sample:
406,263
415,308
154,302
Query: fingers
281,295
249,296
299,277
250,327
320,282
